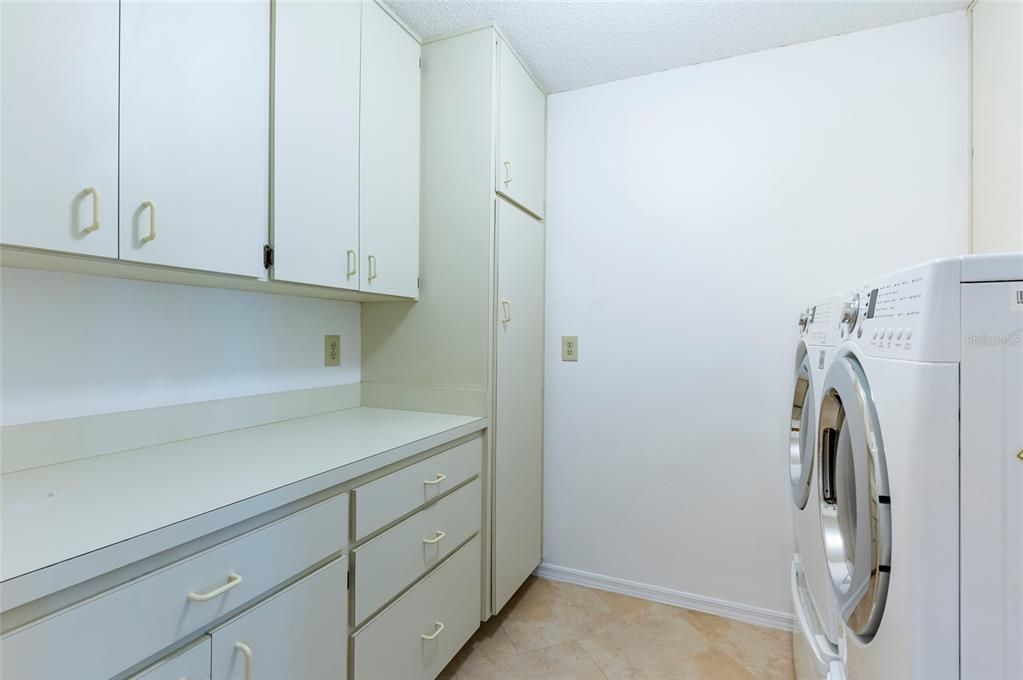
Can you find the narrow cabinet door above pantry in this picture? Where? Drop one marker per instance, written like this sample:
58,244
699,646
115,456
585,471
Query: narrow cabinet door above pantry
316,143
389,172
195,134
59,120
521,134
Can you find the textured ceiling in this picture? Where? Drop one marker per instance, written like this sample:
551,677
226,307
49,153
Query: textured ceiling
576,43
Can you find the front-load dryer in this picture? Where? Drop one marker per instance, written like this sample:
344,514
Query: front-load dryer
920,450
815,641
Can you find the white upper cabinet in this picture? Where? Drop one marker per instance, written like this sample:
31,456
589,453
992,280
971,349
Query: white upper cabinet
194,161
59,113
316,143
522,134
389,169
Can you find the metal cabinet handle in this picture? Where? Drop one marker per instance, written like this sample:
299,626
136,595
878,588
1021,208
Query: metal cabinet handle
232,580
372,268
247,653
435,633
432,541
507,172
506,304
152,221
353,260
95,209
440,478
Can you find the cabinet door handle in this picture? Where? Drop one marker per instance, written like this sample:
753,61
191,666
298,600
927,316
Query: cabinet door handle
352,264
507,172
232,580
435,633
95,209
437,539
506,305
247,653
152,221
372,268
431,482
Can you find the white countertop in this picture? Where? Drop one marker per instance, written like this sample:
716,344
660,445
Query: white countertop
135,503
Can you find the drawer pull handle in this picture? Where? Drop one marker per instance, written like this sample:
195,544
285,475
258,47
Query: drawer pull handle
232,581
434,634
91,191
437,539
247,653
372,268
432,482
507,172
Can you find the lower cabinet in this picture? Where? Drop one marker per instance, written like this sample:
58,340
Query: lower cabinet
415,598
298,633
191,663
416,637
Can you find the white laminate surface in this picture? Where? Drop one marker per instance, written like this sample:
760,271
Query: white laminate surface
85,517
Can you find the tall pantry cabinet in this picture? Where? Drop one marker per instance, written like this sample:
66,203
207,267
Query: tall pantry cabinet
473,344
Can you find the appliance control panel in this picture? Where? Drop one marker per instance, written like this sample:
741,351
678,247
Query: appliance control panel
820,328
912,314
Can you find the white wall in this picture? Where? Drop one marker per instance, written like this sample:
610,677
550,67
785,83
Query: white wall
82,345
997,126
692,216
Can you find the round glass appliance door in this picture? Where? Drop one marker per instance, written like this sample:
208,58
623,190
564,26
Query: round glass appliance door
855,501
802,434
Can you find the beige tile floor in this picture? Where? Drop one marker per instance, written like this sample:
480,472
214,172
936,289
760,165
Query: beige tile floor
558,631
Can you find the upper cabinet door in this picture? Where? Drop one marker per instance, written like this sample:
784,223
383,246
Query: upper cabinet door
59,113
316,143
522,134
389,200
195,134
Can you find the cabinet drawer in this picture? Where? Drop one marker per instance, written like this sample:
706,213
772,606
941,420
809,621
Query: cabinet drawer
297,633
112,631
192,663
388,498
401,554
444,606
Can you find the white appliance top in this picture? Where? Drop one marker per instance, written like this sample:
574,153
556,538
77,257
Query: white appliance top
914,314
1000,267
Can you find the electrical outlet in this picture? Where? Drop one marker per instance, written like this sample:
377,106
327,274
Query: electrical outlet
331,350
570,348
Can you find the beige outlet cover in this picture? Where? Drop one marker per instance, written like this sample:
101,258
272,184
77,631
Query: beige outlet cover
570,348
331,350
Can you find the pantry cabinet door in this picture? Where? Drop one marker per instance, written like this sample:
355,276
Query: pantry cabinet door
518,421
522,134
195,100
389,201
300,632
59,120
316,143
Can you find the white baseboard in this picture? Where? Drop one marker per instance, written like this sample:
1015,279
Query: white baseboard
730,610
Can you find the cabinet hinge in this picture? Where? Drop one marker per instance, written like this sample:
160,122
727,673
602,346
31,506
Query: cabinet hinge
268,257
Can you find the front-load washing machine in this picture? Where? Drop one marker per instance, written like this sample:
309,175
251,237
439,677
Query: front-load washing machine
814,644
920,445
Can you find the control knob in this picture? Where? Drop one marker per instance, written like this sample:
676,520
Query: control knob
851,312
